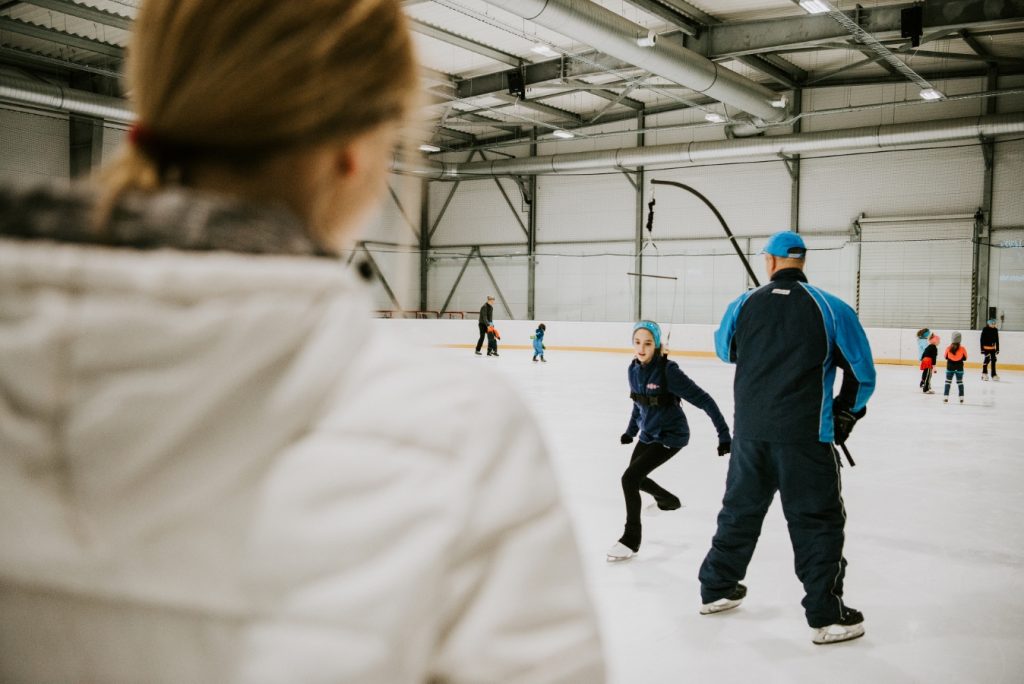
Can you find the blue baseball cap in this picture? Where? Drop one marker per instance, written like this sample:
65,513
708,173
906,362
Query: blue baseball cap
991,321
651,327
786,244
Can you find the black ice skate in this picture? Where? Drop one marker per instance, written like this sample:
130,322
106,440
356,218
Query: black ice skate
728,603
851,626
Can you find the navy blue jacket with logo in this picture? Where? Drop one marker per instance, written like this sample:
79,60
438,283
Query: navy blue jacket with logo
666,423
787,338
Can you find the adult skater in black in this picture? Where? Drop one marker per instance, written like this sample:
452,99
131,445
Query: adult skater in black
656,386
485,321
787,338
989,349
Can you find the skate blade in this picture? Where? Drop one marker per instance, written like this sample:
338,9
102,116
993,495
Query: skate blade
719,606
835,634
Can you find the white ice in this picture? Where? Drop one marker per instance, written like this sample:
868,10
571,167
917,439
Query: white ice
935,533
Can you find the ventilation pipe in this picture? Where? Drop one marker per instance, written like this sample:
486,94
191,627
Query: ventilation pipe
50,96
865,138
612,34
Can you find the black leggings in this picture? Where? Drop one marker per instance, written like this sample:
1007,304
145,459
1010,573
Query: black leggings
926,379
646,457
989,356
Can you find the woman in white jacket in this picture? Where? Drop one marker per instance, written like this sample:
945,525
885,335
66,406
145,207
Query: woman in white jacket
212,468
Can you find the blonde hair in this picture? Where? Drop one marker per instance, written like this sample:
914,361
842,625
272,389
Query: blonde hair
242,82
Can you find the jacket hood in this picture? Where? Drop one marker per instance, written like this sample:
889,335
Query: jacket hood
125,369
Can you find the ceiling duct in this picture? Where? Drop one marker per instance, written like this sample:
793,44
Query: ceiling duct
59,98
864,138
617,36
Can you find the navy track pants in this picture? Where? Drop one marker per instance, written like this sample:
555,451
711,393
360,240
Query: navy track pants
806,475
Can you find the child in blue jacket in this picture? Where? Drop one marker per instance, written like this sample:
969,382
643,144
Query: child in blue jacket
656,387
538,342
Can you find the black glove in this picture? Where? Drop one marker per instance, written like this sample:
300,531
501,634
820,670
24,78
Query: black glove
724,448
626,438
843,420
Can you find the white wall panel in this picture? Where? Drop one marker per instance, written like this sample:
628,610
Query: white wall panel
584,282
509,268
916,272
752,198
33,146
846,97
396,218
1006,277
836,190
478,214
585,208
113,137
1008,184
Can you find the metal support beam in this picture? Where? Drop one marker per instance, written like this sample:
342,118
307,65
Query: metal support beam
444,207
796,106
609,95
437,33
737,38
983,227
531,238
380,276
401,210
638,242
541,72
494,282
458,278
767,68
61,38
563,114
512,208
425,234
672,16
73,9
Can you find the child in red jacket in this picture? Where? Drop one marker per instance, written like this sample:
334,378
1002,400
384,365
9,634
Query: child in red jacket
929,359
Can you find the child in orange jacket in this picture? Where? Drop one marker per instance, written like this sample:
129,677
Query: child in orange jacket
956,355
492,340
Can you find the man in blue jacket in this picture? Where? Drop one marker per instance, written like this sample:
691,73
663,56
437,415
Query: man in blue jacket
787,338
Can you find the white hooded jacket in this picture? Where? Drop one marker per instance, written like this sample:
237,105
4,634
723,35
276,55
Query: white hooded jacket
212,469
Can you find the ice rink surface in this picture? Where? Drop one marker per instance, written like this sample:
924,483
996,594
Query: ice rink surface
935,533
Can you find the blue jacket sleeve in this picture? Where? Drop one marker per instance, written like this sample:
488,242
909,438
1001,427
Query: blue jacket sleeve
724,347
680,384
854,357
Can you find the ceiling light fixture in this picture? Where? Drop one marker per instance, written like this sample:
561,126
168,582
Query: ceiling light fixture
931,94
564,135
429,148
647,40
715,117
543,50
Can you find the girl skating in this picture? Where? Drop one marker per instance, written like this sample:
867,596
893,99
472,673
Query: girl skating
656,386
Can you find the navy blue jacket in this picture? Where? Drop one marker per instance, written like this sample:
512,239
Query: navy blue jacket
787,338
667,424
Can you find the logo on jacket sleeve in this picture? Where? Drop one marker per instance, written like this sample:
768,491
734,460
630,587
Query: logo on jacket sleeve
653,386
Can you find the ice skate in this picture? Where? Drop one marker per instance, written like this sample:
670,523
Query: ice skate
543,360
728,603
996,378
478,352
619,552
945,400
851,626
961,400
984,377
929,391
